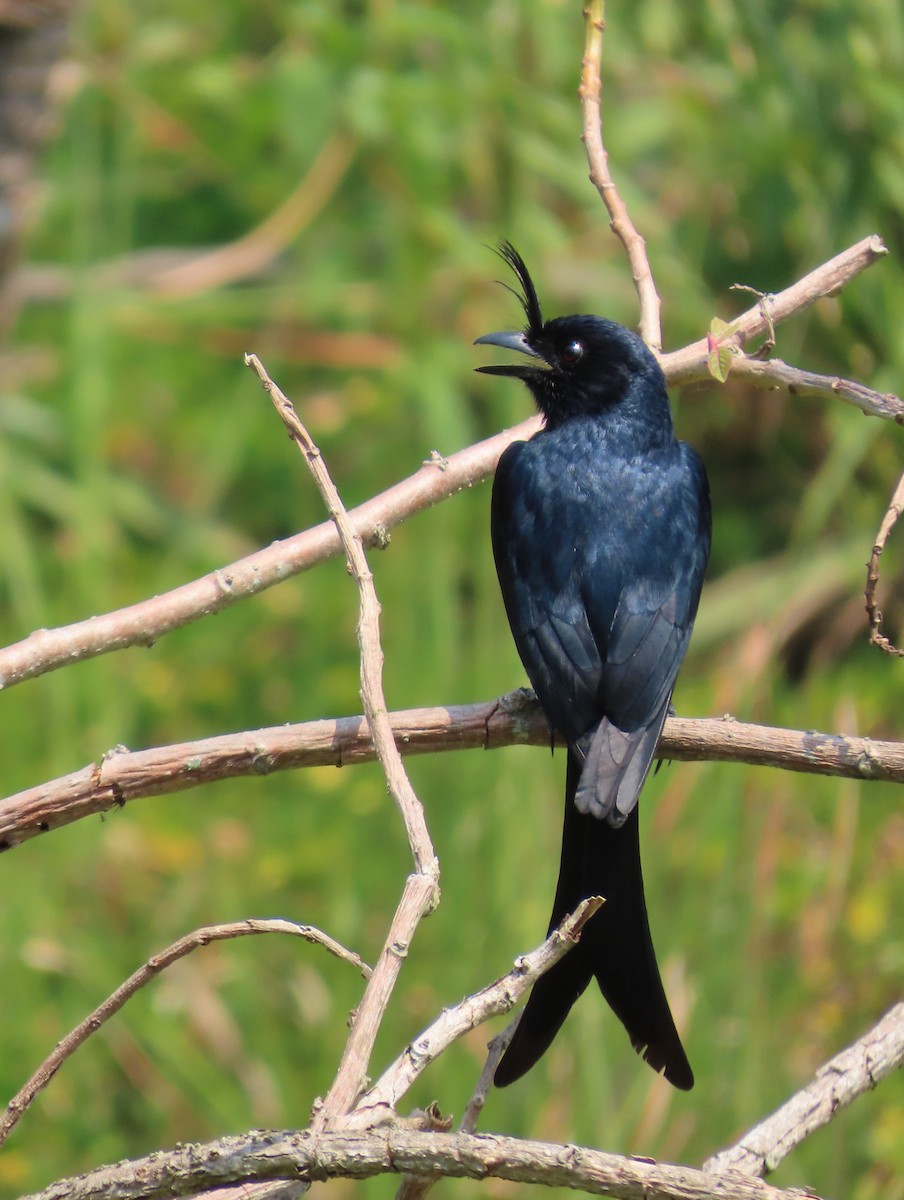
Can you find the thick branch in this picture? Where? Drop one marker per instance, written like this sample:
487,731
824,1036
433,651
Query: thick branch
514,719
845,1077
312,1157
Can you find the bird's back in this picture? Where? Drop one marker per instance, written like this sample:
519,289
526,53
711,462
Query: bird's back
600,555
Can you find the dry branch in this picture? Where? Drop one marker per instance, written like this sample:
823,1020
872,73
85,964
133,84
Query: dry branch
775,375
688,365
415,1187
876,636
151,969
311,1157
514,719
143,623
501,996
421,892
371,650
845,1077
691,364
598,161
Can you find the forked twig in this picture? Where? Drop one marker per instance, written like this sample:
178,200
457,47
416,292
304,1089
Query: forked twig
498,997
421,892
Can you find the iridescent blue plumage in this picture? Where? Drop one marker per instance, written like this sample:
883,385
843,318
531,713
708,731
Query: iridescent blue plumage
601,533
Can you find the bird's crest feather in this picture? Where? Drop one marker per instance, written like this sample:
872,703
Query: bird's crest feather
527,296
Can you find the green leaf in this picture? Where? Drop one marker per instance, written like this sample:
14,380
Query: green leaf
718,361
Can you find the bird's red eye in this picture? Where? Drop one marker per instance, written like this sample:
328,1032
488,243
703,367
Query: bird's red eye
572,353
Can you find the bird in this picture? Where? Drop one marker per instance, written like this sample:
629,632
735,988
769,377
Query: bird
601,530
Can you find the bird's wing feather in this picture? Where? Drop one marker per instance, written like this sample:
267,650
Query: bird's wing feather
601,629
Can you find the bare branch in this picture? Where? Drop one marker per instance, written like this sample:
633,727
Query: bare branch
495,1050
600,177
375,711
143,623
777,375
843,1078
151,969
498,997
876,636
514,719
416,1187
689,365
421,892
311,1157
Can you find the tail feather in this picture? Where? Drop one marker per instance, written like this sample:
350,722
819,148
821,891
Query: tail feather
615,946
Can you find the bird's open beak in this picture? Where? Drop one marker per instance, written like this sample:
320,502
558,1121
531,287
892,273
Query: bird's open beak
509,340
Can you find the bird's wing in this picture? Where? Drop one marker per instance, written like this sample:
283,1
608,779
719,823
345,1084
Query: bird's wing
601,617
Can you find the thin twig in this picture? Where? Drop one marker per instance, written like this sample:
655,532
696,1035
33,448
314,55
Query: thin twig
515,719
421,892
775,375
601,178
843,1078
151,969
764,301
375,711
496,1047
417,1187
310,1157
876,636
688,365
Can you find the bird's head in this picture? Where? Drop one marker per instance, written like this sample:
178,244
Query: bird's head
579,364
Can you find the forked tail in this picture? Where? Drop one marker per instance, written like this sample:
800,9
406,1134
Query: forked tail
616,947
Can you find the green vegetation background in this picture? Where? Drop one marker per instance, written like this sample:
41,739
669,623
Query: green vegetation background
751,143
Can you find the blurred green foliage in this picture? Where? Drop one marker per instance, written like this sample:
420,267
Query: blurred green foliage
751,143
